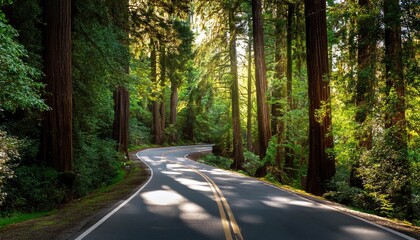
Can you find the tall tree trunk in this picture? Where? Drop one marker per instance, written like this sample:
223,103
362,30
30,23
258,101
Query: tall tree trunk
321,164
162,84
121,94
288,164
364,85
174,103
395,121
263,115
157,126
57,143
121,116
249,94
238,155
278,92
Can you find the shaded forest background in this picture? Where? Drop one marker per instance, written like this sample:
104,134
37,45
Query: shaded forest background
243,75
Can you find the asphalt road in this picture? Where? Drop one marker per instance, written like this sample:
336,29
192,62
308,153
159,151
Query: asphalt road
184,199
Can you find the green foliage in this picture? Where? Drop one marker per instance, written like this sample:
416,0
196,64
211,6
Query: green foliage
8,152
19,90
34,188
251,163
217,161
96,163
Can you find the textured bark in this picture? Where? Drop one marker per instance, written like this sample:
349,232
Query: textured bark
238,155
157,126
57,143
288,163
321,164
121,94
249,95
174,103
121,117
263,115
162,84
278,91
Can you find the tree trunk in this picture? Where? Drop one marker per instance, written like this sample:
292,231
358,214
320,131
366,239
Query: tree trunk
174,103
121,117
263,115
364,85
395,121
321,164
157,126
162,84
249,95
121,94
238,155
278,94
288,164
57,143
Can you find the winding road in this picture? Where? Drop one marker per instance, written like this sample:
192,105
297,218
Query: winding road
184,199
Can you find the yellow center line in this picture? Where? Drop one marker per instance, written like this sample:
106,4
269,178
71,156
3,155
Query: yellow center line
222,204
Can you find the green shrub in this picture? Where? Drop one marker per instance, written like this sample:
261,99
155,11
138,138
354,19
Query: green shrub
217,161
34,188
251,163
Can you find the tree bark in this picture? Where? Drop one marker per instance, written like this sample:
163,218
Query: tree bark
263,115
238,155
162,84
157,125
57,142
278,94
321,164
288,164
249,94
121,117
174,103
121,94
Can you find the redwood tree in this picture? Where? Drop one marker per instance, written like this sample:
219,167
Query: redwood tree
57,150
321,165
263,115
238,156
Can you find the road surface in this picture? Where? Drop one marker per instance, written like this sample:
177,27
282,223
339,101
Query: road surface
184,200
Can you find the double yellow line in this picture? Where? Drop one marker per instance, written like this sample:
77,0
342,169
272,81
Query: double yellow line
229,223
230,227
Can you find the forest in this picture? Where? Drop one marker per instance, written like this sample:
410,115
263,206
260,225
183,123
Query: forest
319,95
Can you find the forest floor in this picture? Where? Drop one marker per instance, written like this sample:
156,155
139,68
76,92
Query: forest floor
70,220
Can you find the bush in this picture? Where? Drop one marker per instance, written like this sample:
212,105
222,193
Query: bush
251,163
34,188
8,151
217,161
96,164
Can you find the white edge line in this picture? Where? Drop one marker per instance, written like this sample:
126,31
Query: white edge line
93,227
348,214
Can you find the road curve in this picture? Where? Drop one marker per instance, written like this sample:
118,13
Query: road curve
184,200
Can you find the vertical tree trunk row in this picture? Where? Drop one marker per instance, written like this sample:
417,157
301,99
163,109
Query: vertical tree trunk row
121,116
321,165
238,157
249,94
162,84
57,143
263,114
157,125
288,164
